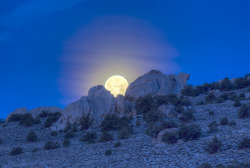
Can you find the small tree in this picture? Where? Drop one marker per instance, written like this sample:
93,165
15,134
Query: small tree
106,136
226,85
90,137
210,98
237,103
51,145
86,121
213,127
245,143
16,151
52,118
66,142
108,152
32,137
244,111
170,137
190,132
27,120
213,146
224,121
117,144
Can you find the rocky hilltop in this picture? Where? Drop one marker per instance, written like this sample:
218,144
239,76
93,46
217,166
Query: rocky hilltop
160,122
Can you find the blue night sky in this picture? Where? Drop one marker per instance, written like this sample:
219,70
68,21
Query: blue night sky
53,51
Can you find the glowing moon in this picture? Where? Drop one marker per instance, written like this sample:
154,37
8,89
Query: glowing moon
116,85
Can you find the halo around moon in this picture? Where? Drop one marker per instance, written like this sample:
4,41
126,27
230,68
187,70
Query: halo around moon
116,85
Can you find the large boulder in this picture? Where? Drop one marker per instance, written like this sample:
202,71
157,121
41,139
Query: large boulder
21,110
98,103
157,83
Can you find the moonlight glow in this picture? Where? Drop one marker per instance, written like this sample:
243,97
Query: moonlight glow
116,85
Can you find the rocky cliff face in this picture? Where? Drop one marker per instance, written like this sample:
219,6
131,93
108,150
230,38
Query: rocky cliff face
157,83
98,103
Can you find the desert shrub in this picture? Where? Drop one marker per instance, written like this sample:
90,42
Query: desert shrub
220,166
239,165
37,121
66,142
110,122
245,143
169,124
1,141
233,96
15,117
240,83
67,127
205,165
213,146
237,103
52,118
224,121
70,134
125,132
32,137
86,121
108,152
145,104
43,114
219,100
244,111
117,144
189,90
153,116
232,123
215,86
187,116
226,85
53,133
242,96
106,136
199,103
211,113
225,96
170,137
51,145
90,137
124,122
189,132
27,120
213,127
35,150
138,123
16,151
74,127
210,98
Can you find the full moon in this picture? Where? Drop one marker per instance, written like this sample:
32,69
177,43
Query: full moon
116,85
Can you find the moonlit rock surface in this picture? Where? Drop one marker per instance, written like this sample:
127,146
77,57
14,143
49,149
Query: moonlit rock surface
168,110
157,83
21,110
98,103
120,104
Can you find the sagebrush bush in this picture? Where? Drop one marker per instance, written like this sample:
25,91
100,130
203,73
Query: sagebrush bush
66,142
213,146
170,137
51,145
117,144
224,121
32,137
125,132
35,150
108,152
245,143
106,136
52,118
226,85
25,119
213,127
15,117
110,122
187,116
138,123
220,165
70,134
86,121
244,111
237,103
16,151
210,98
211,113
53,133
90,137
232,123
190,132
205,165
1,141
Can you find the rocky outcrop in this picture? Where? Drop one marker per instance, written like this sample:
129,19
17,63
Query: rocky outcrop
21,110
36,111
98,103
157,83
120,105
